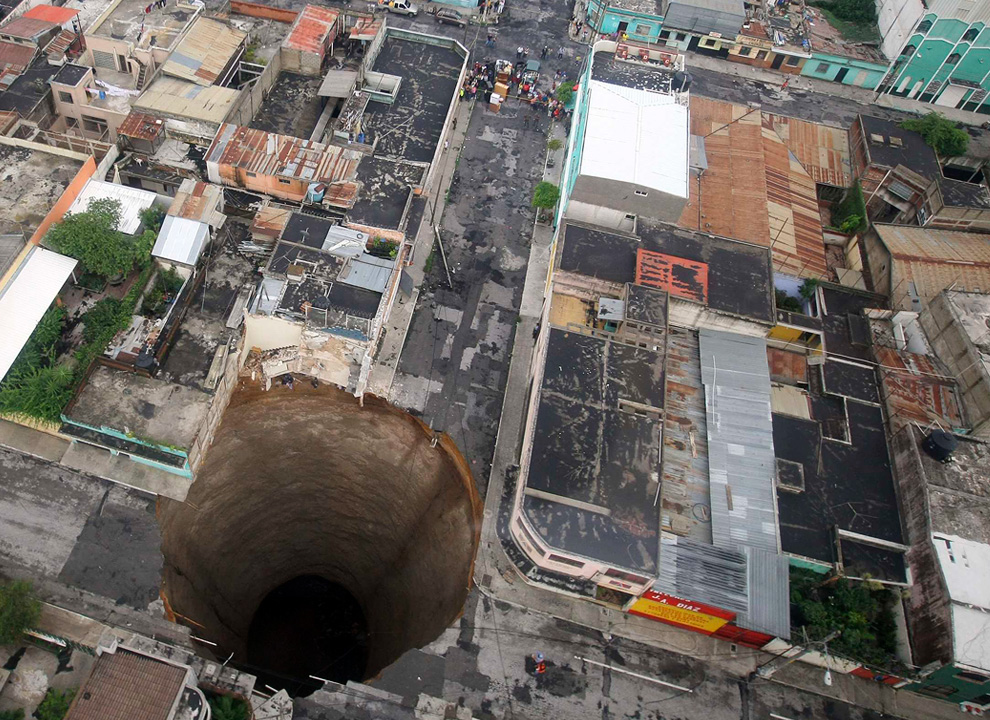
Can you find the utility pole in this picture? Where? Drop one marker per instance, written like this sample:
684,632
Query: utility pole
767,669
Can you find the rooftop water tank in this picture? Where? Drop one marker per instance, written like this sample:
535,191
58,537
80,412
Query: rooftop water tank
940,444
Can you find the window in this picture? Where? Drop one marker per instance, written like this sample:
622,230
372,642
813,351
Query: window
971,677
665,34
970,35
643,30
939,691
640,193
680,37
283,181
251,174
822,67
761,54
71,122
565,561
628,577
908,50
953,59
924,26
744,51
94,125
65,97
122,63
630,216
793,60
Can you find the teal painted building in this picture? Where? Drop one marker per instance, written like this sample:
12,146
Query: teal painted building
845,70
639,19
946,61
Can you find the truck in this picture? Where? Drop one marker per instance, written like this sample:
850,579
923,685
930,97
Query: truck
399,7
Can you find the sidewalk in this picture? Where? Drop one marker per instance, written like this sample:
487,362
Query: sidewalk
498,578
386,363
824,87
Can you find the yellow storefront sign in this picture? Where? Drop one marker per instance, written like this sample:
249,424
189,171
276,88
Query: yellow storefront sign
679,614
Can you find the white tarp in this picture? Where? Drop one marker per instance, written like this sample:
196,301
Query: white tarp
25,299
636,136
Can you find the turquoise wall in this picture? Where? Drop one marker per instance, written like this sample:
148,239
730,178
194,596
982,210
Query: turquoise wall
948,677
860,73
606,19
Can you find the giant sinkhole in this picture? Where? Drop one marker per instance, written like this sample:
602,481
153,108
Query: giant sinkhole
321,537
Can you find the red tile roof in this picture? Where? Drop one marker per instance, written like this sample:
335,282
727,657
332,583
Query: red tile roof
52,14
311,28
681,278
126,685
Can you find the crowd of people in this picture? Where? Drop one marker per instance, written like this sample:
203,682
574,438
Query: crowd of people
522,85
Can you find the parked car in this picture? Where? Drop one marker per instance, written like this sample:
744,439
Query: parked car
399,7
450,17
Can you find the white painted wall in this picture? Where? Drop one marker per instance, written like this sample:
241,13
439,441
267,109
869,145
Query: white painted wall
896,20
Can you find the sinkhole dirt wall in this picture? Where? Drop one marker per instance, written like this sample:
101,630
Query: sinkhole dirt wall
307,482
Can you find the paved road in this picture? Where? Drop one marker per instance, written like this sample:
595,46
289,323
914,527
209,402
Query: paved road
454,364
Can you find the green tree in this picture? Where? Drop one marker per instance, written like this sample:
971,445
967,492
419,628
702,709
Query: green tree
565,92
554,144
808,288
93,239
55,704
19,610
225,707
152,217
545,195
17,714
940,133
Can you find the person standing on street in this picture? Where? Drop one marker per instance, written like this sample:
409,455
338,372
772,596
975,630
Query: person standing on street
546,51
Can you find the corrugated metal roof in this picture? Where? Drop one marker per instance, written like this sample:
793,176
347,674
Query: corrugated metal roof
269,294
311,28
768,578
338,83
368,272
16,56
636,136
204,52
181,240
280,155
935,245
132,202
26,297
822,150
706,16
196,200
26,28
740,440
173,97
141,126
698,571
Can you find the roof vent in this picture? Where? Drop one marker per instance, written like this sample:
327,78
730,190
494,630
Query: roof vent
940,444
875,138
896,141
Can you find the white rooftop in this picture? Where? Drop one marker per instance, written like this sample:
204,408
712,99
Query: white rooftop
132,202
970,631
181,240
966,568
636,136
26,297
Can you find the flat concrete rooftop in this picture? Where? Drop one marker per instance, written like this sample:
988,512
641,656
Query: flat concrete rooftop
152,410
128,21
32,181
410,128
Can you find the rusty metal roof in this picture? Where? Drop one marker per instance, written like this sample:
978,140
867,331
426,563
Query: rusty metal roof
916,390
366,28
822,150
15,56
310,30
26,28
282,156
680,277
52,14
204,52
270,220
141,126
754,189
196,200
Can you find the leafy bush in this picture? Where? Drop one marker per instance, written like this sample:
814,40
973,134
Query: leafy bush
19,610
104,314
862,613
564,93
225,707
858,11
808,288
380,247
554,145
109,325
35,387
152,218
55,704
787,302
17,714
940,133
852,205
93,239
545,195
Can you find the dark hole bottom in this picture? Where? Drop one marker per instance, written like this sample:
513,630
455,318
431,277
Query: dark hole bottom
308,626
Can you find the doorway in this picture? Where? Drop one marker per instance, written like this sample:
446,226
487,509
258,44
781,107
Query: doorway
778,60
841,74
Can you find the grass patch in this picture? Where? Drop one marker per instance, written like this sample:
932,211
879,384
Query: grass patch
859,32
